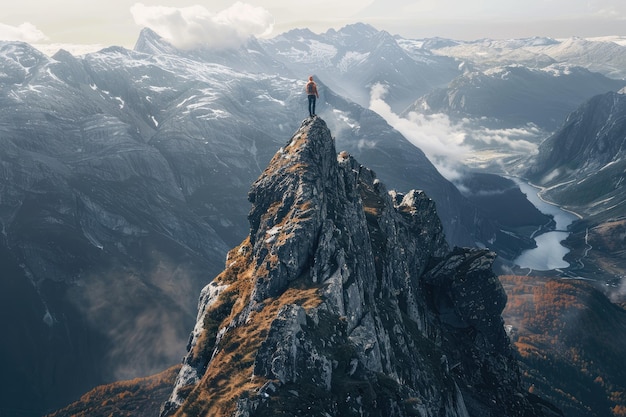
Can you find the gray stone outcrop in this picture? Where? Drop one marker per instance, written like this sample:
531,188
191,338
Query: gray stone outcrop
375,315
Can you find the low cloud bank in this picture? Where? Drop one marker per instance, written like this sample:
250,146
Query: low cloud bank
29,33
26,32
435,135
145,315
450,145
195,26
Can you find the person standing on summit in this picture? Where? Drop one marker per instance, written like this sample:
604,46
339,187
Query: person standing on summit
311,91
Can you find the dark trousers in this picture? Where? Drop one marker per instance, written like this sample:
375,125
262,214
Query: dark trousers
311,104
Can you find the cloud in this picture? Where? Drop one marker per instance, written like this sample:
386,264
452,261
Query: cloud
194,26
452,146
441,140
515,139
619,295
26,32
496,19
490,9
143,314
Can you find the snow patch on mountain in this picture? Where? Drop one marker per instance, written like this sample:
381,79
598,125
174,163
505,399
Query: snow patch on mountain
344,117
311,51
619,40
558,70
351,59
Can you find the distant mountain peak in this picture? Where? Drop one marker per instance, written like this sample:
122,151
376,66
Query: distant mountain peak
359,29
298,32
150,42
346,297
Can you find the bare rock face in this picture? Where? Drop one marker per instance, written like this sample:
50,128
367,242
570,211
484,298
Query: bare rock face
346,300
583,163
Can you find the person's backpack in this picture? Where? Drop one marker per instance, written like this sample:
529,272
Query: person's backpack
310,88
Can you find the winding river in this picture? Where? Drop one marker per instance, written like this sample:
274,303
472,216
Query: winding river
549,252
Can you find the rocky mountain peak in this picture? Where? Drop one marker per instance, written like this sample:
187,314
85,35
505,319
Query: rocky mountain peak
346,300
582,165
150,42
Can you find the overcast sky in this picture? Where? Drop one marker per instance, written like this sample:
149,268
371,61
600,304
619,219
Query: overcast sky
188,22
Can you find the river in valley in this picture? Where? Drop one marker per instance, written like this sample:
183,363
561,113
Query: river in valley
549,252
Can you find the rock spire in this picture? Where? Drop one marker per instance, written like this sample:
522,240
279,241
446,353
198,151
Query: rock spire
346,300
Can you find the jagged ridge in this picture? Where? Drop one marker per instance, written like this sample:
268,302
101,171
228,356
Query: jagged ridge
346,300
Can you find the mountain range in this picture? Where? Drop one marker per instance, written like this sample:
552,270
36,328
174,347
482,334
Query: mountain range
126,172
515,95
605,56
